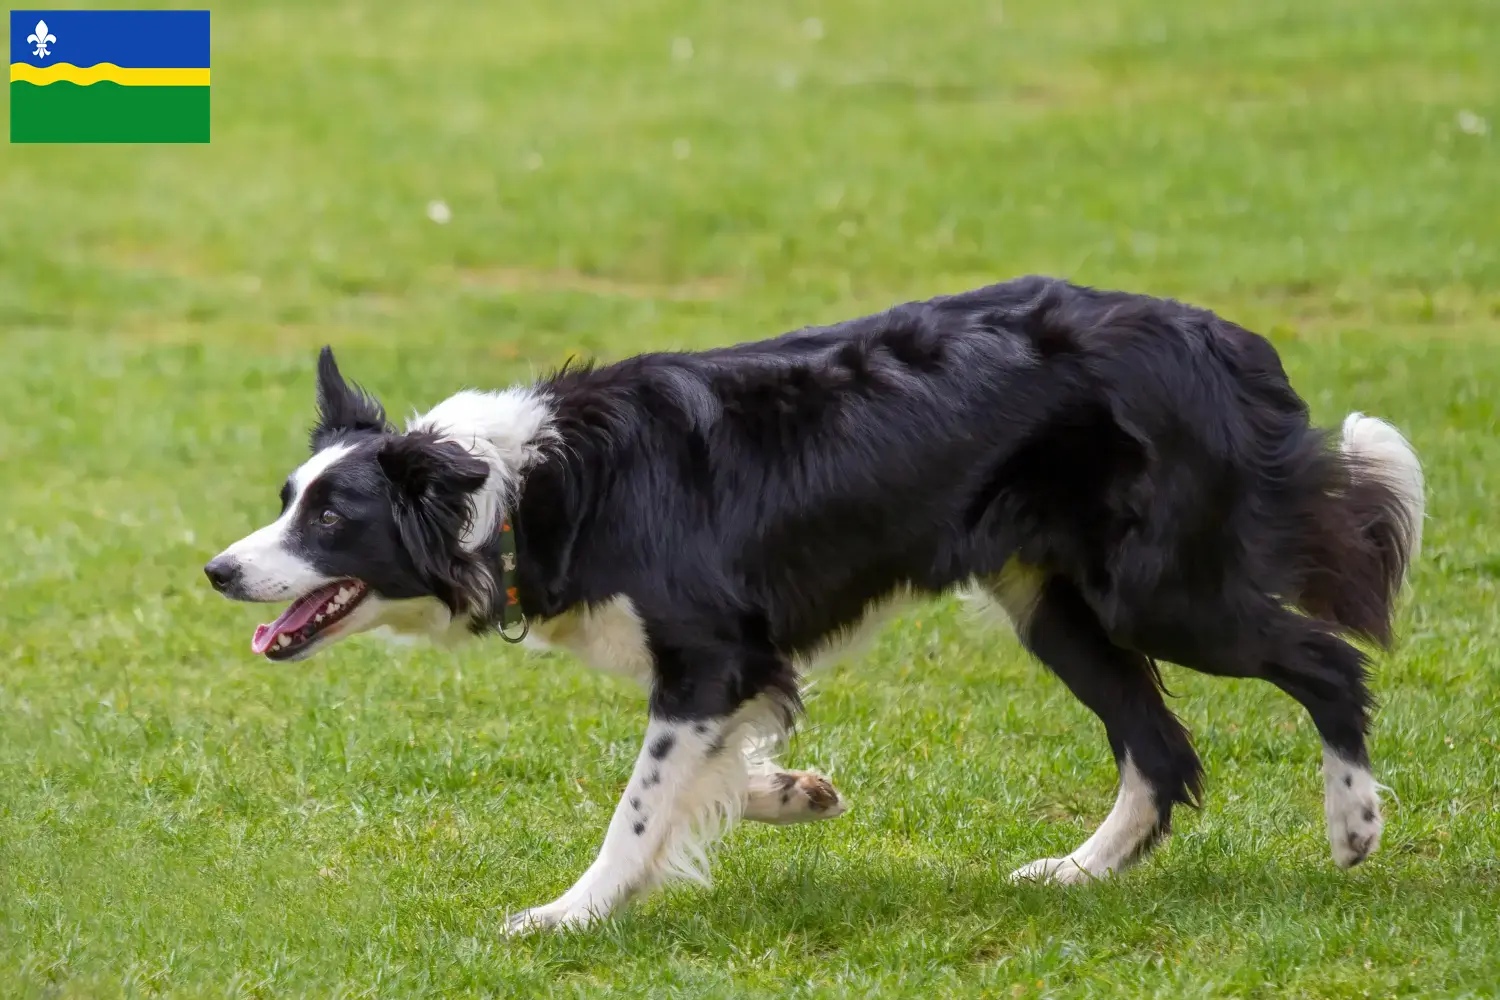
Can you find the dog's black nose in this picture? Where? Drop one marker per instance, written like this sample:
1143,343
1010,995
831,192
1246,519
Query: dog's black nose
221,572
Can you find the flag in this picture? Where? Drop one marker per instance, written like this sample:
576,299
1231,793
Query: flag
109,76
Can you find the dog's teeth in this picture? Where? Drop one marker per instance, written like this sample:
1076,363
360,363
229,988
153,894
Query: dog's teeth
320,618
282,640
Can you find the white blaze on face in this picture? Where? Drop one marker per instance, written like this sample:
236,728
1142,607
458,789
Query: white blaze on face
270,569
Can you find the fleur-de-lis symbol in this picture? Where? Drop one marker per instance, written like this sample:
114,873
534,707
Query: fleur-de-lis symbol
41,38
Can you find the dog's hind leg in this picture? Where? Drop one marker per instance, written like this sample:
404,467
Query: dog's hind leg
1327,675
1157,765
1254,636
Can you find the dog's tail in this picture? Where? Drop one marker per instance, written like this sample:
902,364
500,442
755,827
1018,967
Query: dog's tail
1373,531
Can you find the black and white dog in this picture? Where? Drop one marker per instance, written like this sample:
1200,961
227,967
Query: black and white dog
1129,478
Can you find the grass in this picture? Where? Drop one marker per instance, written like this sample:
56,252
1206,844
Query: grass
178,818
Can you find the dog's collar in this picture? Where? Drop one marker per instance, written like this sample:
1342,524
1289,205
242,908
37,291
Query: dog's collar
511,615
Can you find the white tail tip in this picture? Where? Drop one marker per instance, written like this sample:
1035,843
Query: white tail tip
1391,457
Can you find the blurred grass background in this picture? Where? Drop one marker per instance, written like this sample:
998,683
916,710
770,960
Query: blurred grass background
468,193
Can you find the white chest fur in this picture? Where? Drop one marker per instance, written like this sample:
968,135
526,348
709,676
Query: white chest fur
608,637
611,637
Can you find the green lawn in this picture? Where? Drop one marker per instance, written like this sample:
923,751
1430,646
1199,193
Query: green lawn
178,817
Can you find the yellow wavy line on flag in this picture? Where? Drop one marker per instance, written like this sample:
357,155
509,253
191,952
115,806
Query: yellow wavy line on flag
128,76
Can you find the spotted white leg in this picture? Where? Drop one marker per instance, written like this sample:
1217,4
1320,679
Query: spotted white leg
1351,801
687,787
1129,830
609,635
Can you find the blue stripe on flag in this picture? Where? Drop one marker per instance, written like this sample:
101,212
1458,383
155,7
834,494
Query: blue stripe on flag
143,39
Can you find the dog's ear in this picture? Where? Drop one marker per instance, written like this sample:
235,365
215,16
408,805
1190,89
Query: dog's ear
422,467
342,408
433,482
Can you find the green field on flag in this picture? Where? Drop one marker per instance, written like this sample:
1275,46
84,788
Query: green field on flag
107,112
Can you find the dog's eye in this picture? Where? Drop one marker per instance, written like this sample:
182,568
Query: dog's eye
329,518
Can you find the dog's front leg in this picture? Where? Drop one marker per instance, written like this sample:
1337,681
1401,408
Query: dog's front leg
779,797
687,785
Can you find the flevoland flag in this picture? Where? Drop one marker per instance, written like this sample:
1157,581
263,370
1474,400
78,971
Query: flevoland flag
109,76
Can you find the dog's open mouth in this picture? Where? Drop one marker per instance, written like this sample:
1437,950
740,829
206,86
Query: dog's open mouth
309,617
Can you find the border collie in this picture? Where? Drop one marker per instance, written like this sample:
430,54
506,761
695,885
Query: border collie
1129,478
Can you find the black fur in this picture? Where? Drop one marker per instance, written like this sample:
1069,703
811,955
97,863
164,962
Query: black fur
364,542
1149,460
432,481
662,746
1120,686
1149,457
343,409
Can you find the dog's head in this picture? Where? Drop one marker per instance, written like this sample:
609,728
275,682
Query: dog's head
379,529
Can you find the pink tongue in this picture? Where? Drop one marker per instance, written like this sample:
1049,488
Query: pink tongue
293,618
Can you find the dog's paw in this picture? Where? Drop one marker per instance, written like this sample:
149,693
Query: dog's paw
792,797
1354,822
554,916
1056,871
